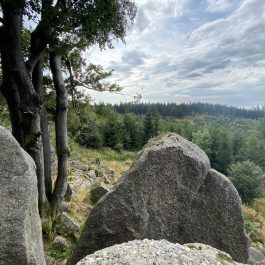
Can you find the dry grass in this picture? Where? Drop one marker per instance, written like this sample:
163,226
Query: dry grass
255,225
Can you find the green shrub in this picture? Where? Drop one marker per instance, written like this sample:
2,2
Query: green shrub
59,252
248,179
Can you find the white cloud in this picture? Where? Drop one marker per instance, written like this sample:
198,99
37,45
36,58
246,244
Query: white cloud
218,5
171,57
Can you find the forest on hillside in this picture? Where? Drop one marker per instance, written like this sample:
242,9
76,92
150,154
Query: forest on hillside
235,146
231,139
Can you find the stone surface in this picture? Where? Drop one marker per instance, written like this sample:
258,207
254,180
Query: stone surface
49,260
68,193
60,242
98,191
170,193
69,223
255,256
94,160
20,225
79,165
91,174
150,252
260,262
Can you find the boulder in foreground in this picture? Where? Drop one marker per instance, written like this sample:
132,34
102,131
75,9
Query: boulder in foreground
149,252
20,225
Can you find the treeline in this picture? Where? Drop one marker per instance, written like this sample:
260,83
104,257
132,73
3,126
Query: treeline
225,139
190,109
235,146
102,126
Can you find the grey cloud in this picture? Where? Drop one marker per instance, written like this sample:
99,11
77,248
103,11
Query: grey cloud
194,75
134,58
141,20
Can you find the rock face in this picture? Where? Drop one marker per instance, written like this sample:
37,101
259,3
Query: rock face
98,191
149,252
255,256
69,223
170,193
20,225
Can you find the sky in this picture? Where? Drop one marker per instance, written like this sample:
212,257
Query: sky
188,51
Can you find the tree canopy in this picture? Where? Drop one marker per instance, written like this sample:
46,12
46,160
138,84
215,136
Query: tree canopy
51,35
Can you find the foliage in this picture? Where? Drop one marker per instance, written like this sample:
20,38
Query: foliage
248,179
59,252
4,116
151,124
226,140
254,225
190,109
221,149
203,139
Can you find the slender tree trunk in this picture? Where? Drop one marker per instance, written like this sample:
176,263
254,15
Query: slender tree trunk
46,152
37,77
27,102
61,132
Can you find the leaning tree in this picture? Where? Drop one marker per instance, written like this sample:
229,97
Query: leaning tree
56,30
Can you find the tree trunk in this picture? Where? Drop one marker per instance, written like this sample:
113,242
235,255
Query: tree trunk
37,78
46,152
27,103
9,91
61,132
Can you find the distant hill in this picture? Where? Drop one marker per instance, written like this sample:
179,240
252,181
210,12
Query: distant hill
189,109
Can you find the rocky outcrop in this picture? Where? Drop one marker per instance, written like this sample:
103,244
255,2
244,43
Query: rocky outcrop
170,193
149,252
20,225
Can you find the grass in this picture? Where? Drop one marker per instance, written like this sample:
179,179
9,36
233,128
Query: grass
254,225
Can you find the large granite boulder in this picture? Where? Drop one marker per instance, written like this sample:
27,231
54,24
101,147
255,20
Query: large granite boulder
169,193
149,252
20,224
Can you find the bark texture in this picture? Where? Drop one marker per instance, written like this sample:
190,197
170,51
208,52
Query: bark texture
25,105
61,132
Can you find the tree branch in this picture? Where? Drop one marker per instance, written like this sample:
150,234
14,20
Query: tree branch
41,36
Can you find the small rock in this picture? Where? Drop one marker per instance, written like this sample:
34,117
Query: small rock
262,250
260,262
60,242
91,174
99,172
49,260
255,256
63,208
68,193
95,161
107,179
69,223
79,165
98,191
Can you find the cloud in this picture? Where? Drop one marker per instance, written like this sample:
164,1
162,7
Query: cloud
218,5
191,50
134,58
141,20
